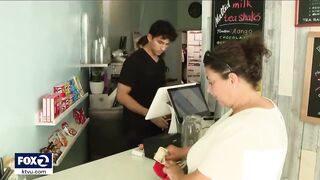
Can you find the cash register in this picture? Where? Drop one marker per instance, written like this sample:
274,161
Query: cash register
179,100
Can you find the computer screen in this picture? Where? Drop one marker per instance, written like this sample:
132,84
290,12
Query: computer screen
159,106
188,100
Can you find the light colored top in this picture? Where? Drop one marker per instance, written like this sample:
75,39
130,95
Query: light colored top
249,145
119,166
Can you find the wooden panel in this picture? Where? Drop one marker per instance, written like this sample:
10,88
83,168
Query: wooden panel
310,137
287,43
308,162
296,134
317,172
271,67
294,129
288,105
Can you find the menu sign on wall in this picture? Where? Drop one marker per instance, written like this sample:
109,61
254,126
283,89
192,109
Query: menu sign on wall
307,13
314,92
310,109
236,19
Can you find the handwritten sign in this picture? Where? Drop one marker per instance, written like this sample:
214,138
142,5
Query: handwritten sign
310,109
307,13
235,19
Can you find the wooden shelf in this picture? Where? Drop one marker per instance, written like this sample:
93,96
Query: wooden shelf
64,114
93,65
79,128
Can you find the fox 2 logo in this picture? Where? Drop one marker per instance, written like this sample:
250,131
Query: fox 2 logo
33,160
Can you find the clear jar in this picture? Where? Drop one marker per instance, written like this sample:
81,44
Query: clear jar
191,127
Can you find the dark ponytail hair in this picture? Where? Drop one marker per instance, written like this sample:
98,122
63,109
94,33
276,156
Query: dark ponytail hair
242,57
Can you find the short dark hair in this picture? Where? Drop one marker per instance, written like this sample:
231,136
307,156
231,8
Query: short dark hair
242,57
164,29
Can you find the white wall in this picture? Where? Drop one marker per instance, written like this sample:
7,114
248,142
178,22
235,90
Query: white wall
40,46
120,18
186,22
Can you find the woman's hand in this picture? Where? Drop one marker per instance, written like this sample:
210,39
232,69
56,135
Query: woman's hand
173,171
175,153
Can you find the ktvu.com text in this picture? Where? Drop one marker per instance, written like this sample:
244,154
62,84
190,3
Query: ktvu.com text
33,163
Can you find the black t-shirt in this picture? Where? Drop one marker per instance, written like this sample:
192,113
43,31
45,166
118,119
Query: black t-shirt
144,76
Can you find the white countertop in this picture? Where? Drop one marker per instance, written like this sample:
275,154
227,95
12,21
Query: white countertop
116,167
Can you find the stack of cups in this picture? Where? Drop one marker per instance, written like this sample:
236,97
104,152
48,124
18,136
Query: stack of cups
84,39
95,53
98,50
101,50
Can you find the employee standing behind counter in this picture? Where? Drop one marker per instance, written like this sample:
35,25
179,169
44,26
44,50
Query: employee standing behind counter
142,74
250,141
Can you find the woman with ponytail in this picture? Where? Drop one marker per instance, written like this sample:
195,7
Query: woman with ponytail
250,141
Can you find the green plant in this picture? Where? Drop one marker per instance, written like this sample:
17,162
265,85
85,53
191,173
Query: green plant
97,74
